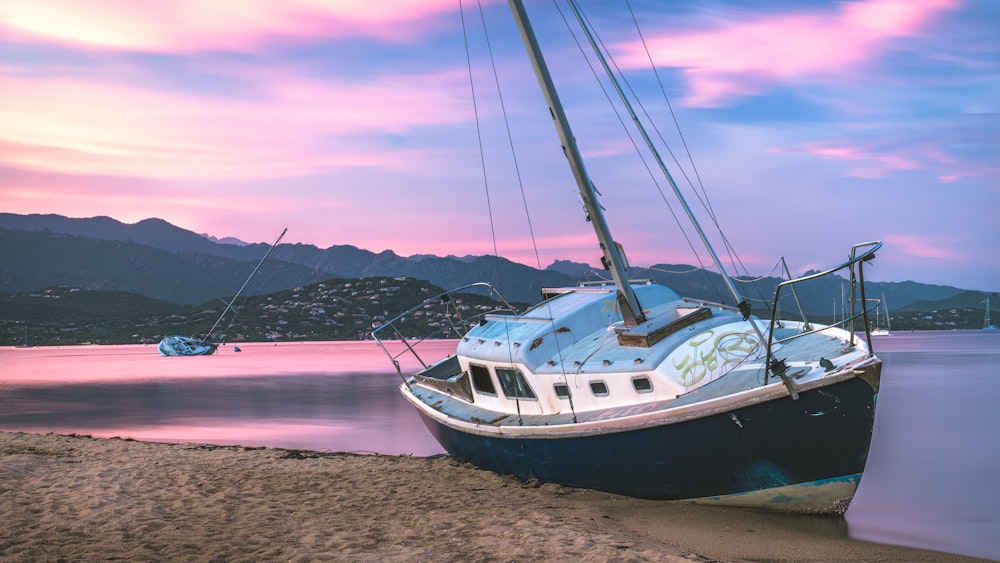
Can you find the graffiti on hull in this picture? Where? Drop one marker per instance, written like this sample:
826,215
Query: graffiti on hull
712,353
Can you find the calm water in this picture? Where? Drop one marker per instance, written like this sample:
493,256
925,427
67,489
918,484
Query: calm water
931,480
329,396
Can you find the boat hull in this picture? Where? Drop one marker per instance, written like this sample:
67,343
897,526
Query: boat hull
185,346
804,455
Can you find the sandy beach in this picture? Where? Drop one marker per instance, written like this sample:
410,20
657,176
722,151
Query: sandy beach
85,499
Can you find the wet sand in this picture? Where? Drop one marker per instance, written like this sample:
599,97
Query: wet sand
81,498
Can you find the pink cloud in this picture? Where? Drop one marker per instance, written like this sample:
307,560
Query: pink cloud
294,126
191,205
874,162
917,246
188,25
746,57
871,163
850,153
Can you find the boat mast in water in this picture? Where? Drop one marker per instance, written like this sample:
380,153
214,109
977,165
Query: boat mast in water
229,305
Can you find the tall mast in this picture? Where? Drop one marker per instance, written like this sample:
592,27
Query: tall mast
631,311
230,304
737,297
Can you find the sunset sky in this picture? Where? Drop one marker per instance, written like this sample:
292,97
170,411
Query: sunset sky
813,126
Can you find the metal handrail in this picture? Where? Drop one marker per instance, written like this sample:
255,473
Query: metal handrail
777,366
410,347
809,330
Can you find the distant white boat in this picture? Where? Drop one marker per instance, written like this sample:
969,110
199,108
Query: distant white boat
987,325
204,345
879,331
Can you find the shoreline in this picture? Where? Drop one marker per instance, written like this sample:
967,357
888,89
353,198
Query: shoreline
259,343
78,497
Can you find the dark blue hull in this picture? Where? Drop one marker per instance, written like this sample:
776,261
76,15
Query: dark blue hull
822,436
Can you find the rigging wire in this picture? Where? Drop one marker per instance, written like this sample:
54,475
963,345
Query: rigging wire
621,120
479,138
652,123
706,203
734,257
678,272
699,191
629,134
482,156
524,199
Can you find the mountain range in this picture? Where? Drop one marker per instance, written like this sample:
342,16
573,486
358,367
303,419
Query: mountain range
156,259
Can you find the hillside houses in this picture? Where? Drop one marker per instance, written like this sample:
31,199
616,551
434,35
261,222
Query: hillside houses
336,309
330,310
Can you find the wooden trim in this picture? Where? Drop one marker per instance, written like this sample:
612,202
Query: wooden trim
647,339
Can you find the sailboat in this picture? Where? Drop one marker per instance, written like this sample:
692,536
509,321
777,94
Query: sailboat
987,325
205,345
630,388
878,330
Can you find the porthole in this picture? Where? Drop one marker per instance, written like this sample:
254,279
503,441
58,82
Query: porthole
642,384
562,390
599,388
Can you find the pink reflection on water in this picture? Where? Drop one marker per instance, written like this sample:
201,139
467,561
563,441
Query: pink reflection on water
130,362
326,396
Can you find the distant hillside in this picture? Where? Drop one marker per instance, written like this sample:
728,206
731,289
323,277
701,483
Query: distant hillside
334,309
518,282
66,315
159,260
155,233
34,260
574,269
331,310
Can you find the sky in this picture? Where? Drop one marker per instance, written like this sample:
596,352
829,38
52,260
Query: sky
402,125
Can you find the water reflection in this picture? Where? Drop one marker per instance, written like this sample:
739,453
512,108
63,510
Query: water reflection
305,396
931,476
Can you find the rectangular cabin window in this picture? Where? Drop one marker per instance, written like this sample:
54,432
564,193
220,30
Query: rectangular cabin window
481,379
599,388
562,390
513,384
642,384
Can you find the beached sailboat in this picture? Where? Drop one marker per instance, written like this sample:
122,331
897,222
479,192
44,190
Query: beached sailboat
630,388
205,345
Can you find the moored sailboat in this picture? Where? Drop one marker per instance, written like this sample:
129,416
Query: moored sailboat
879,330
631,388
205,345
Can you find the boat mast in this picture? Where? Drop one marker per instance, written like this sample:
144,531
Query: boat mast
237,296
885,309
613,256
737,297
